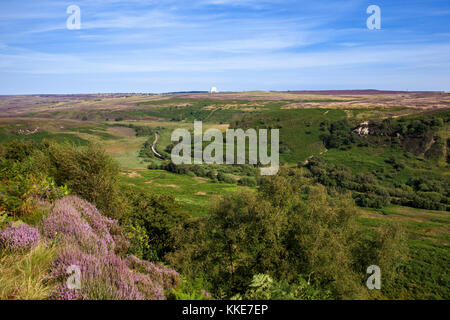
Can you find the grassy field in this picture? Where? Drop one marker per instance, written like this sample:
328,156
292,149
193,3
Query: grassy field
193,193
426,274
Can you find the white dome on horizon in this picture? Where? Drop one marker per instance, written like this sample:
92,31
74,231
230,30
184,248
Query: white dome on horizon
213,90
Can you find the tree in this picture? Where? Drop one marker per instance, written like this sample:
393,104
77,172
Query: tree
90,173
157,216
292,227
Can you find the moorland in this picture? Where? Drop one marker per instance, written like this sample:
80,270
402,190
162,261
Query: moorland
364,180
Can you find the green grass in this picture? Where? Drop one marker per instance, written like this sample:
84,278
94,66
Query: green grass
23,274
194,194
299,129
426,273
39,136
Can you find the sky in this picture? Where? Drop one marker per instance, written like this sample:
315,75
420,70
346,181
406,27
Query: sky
148,46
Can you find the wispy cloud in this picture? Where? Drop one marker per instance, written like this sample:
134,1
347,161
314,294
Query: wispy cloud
276,42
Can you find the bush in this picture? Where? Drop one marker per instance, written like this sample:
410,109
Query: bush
91,241
247,181
78,222
291,227
190,290
263,287
156,216
224,178
90,173
21,237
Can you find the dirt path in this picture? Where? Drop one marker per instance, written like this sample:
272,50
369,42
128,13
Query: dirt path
154,150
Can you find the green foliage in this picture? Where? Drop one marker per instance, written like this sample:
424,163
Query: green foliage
247,181
368,191
225,178
153,218
146,151
414,134
90,173
139,241
291,227
338,134
23,274
23,179
189,290
263,287
4,219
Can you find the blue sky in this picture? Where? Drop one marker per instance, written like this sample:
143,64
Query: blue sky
236,45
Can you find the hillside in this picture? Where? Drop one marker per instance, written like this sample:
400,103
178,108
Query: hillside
375,160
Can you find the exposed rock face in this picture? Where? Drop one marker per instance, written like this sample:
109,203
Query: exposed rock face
27,132
362,129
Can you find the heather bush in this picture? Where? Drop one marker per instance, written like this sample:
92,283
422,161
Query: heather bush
76,221
110,277
165,277
91,241
63,293
103,277
85,234
21,237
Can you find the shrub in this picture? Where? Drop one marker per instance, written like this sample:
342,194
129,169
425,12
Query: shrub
190,290
78,222
247,181
90,173
89,241
290,227
263,287
21,237
224,178
157,216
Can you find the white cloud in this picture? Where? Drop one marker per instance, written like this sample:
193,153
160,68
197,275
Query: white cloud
38,63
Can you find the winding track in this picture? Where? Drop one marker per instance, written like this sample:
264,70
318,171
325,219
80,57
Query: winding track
154,150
